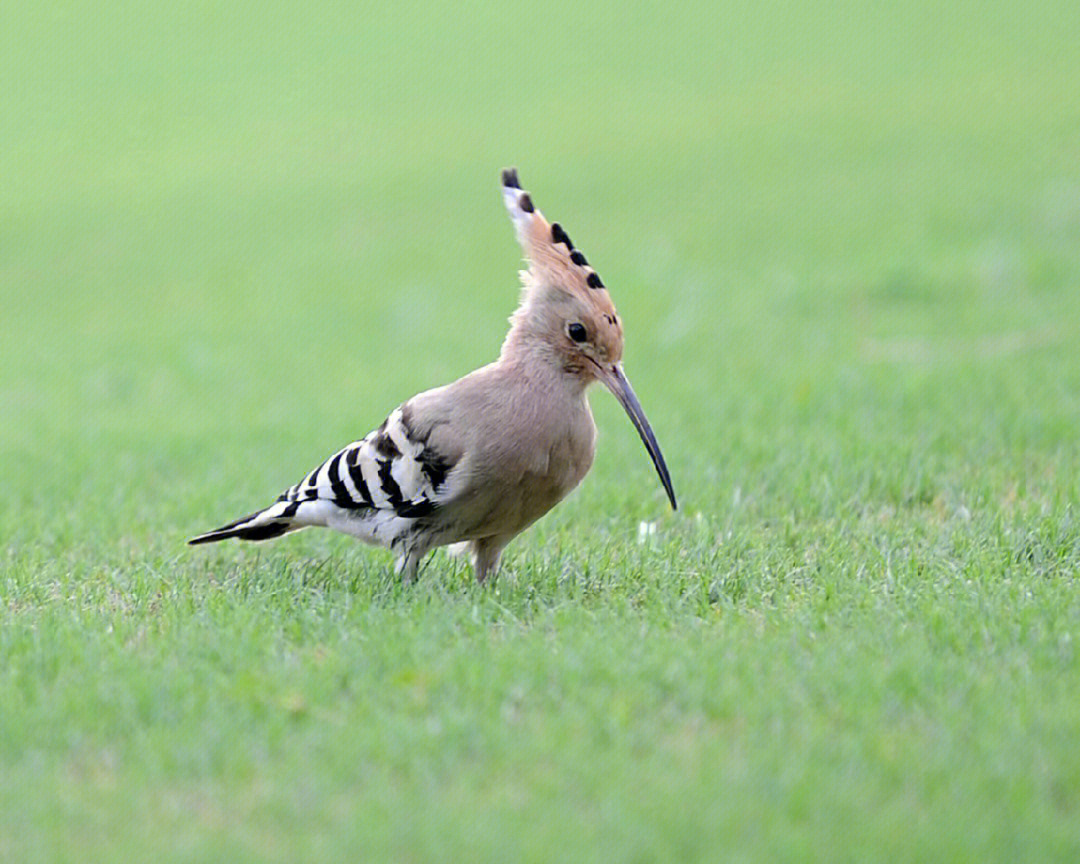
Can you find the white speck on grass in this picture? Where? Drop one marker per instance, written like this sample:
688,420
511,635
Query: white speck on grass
645,530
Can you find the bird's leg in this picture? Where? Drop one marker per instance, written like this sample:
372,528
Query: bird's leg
407,565
485,556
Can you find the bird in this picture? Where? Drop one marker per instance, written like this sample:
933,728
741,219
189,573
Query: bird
475,462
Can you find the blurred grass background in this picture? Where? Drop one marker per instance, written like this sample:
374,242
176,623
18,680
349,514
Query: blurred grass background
845,242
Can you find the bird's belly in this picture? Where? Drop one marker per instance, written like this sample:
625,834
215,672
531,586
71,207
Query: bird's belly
522,498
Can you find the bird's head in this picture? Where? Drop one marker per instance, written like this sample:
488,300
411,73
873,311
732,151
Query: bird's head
566,309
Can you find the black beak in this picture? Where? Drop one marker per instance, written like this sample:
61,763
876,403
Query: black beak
616,382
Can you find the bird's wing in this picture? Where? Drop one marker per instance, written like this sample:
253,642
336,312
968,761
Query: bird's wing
393,468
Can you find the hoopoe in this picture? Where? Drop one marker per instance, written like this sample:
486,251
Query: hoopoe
479,460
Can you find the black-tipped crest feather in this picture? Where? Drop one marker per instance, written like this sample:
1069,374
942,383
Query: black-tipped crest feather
560,236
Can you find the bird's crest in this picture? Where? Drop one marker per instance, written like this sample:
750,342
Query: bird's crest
553,260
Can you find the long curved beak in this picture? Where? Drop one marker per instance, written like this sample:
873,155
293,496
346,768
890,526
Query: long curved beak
615,380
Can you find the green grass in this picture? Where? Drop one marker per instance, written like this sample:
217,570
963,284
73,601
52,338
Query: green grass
845,243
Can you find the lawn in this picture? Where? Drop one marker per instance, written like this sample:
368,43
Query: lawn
845,244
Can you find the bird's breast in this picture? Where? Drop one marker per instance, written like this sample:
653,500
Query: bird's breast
552,463
529,445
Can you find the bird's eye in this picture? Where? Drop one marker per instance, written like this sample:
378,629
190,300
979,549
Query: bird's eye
576,332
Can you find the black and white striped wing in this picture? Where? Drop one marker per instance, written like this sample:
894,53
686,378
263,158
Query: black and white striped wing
387,470
389,474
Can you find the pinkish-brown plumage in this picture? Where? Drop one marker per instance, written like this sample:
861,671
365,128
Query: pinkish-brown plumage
479,460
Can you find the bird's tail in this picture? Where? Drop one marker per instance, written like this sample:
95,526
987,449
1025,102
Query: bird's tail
273,521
